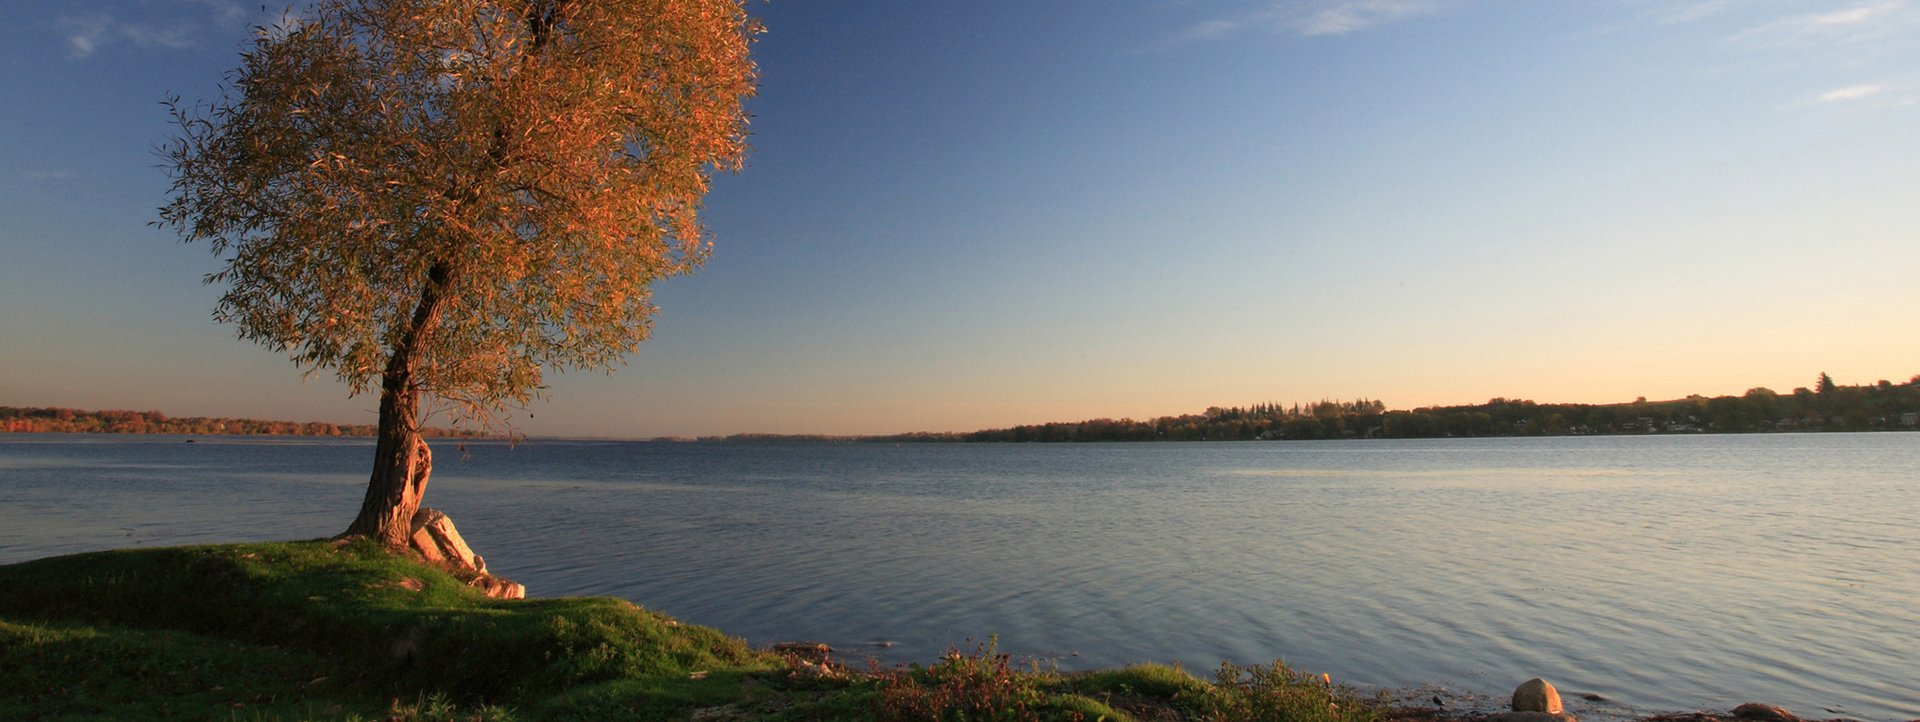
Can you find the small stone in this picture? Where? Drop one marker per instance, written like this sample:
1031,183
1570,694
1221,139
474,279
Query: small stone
1764,713
1537,695
498,588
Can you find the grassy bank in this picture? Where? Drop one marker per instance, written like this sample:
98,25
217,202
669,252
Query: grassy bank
314,630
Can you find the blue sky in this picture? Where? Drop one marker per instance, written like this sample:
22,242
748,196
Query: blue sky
966,215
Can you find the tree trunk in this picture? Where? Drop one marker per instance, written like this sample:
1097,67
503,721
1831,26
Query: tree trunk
401,461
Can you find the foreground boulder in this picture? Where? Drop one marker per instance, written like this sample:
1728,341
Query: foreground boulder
1537,695
436,539
1535,700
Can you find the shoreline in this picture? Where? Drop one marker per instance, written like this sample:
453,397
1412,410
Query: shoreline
264,627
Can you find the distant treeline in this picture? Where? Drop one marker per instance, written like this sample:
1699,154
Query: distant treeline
59,420
1825,407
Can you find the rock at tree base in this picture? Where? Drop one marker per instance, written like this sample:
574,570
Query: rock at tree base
439,542
436,539
1764,713
1537,695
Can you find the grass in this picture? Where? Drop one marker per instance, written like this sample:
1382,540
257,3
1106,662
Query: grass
1277,693
323,631
983,685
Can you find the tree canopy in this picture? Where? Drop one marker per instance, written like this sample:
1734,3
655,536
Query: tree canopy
485,186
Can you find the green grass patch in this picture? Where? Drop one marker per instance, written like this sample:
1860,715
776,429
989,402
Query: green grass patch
271,618
1152,681
54,671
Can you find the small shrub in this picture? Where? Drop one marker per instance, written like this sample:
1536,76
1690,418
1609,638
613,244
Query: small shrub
1277,693
967,688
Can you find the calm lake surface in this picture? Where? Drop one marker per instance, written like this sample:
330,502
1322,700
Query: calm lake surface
1664,573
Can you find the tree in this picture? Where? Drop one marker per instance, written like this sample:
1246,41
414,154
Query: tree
441,198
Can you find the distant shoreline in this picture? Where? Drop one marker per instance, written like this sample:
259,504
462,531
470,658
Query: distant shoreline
1881,406
826,438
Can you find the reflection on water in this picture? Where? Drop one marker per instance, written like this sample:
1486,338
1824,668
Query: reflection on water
1660,572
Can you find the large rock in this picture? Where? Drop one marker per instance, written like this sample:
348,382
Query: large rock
1537,695
439,542
436,539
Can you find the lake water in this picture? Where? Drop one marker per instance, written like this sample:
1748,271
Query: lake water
1663,573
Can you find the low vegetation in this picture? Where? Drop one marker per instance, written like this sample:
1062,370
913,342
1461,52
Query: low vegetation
57,420
324,631
1828,406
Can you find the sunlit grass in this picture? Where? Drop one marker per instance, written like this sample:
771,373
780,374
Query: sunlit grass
348,628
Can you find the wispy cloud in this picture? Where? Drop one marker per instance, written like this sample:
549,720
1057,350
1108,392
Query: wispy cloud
1211,29
1864,21
1355,15
1851,92
1841,42
90,32
227,13
84,33
1671,13
1318,17
1855,16
150,36
87,33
